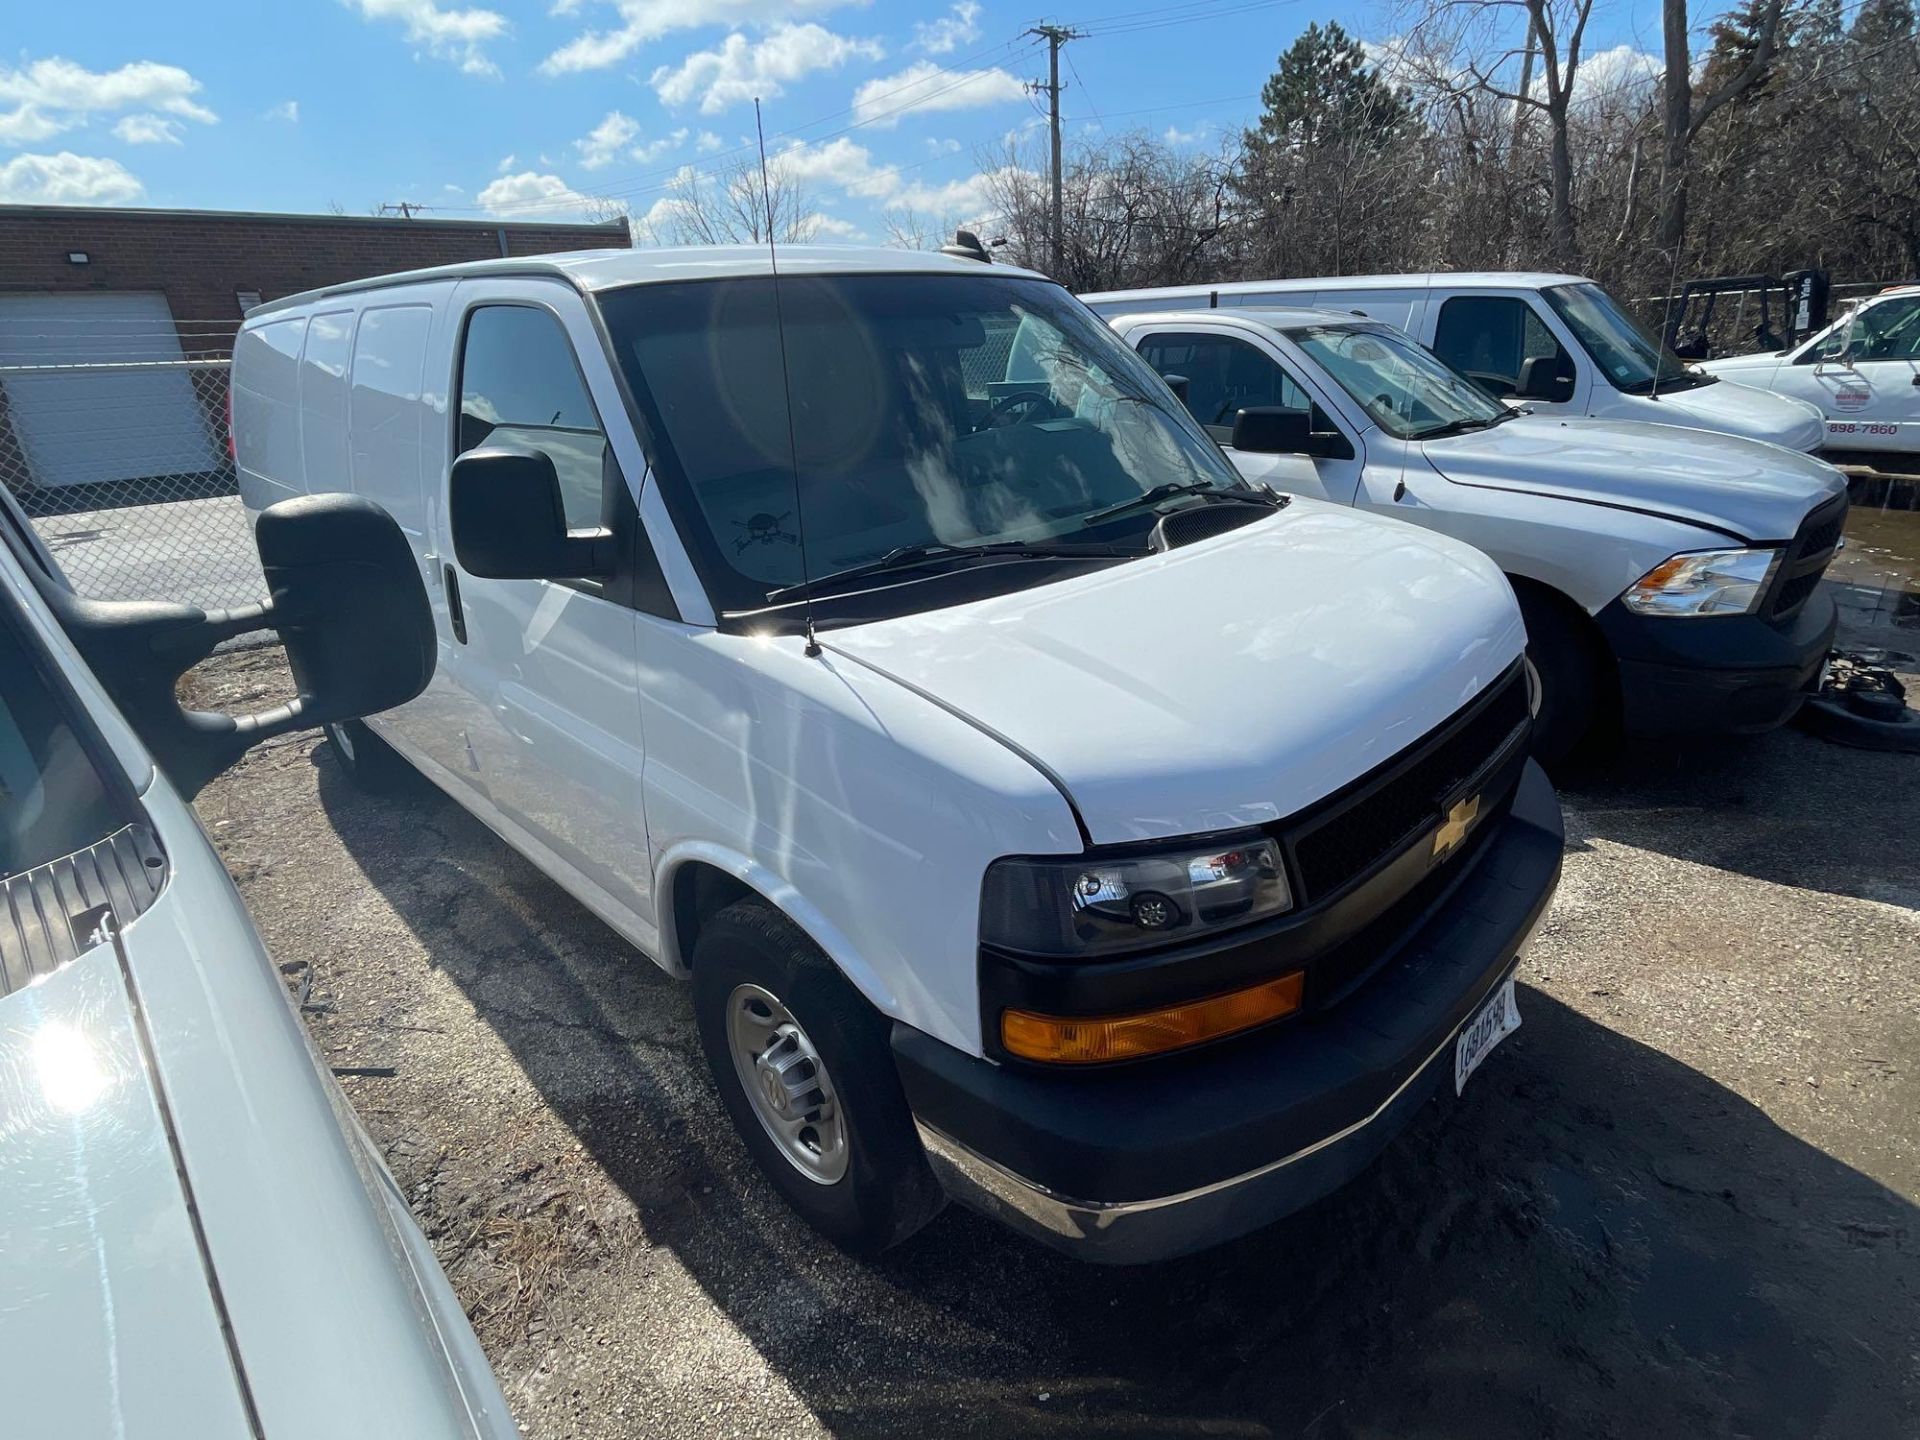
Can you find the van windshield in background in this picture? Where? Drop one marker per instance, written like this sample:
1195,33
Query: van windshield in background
1408,390
927,409
1626,354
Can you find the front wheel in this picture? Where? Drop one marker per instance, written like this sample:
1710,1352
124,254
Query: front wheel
368,761
1570,692
802,1064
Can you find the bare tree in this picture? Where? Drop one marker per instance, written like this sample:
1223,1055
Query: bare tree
1688,107
734,206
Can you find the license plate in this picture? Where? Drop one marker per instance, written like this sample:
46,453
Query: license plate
1497,1019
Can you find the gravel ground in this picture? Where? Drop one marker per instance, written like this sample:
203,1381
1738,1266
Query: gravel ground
1680,1201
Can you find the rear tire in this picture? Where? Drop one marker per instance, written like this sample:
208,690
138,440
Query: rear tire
826,1119
1569,722
366,759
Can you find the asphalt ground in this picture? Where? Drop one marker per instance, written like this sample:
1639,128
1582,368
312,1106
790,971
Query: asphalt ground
1681,1200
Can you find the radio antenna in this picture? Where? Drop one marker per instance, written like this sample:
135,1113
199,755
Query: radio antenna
786,389
1669,322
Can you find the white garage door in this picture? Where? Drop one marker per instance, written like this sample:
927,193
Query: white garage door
135,420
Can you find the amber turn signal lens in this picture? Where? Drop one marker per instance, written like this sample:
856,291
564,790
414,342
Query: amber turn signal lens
1084,1040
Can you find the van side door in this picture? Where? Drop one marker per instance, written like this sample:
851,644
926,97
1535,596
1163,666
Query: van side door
1508,346
554,662
1227,372
1871,397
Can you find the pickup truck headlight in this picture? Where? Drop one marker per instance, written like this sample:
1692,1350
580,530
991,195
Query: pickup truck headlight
1094,905
1704,582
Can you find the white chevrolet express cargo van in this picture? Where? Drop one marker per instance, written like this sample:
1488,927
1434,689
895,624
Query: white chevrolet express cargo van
1669,577
1862,373
1043,815
1558,342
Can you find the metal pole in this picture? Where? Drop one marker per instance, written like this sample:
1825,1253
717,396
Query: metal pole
1055,36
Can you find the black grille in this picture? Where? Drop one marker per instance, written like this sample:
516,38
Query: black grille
38,906
1807,557
1404,797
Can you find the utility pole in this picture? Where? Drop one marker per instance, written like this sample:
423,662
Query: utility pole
1055,36
406,209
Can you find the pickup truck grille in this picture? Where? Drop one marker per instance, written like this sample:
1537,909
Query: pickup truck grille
1807,557
1383,811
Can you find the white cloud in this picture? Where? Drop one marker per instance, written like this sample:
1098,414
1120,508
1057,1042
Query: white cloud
644,20
943,147
66,179
506,164
841,164
1621,72
965,200
961,26
925,86
823,224
148,130
1176,136
707,142
52,95
460,36
287,110
615,137
535,196
739,69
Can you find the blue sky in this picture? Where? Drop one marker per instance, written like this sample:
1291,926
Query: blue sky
505,107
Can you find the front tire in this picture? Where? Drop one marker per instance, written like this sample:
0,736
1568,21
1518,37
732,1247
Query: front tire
802,1063
1569,721
366,759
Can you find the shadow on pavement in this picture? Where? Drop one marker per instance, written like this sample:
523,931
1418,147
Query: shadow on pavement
1597,1240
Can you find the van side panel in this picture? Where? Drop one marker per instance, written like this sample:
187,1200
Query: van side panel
266,411
323,402
385,416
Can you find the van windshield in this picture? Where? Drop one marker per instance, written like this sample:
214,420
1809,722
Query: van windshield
1408,390
1627,355
928,410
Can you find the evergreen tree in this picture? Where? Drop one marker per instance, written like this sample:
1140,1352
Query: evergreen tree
1323,90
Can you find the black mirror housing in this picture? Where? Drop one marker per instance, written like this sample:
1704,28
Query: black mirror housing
508,521
1278,430
346,599
1179,384
1540,379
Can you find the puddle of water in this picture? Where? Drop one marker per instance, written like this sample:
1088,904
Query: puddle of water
1879,571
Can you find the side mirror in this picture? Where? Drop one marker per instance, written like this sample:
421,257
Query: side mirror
503,502
1278,430
1179,384
1540,379
346,599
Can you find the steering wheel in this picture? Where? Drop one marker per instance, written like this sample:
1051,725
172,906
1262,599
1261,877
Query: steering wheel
1005,410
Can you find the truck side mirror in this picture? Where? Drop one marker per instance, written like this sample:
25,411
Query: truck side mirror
1179,384
504,505
1540,379
348,603
1279,430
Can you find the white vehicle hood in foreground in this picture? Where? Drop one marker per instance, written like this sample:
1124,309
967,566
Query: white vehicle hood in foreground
1734,409
1225,684
1757,492
114,1330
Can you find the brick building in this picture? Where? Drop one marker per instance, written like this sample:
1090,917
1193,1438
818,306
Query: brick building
114,324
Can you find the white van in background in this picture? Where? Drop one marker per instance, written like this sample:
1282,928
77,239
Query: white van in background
1669,577
1043,815
1862,373
1558,342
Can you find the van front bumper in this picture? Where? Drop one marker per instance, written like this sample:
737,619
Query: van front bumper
1142,1162
1732,674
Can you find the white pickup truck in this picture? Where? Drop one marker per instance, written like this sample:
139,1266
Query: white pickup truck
1862,373
1668,575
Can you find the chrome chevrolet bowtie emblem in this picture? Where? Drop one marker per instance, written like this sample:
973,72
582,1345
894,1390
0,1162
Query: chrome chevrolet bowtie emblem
1454,829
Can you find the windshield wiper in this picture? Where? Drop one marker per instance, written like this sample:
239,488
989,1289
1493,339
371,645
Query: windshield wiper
1461,427
906,557
1174,489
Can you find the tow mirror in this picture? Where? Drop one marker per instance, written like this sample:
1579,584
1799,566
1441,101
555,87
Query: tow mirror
503,502
1540,379
1279,430
345,597
1179,384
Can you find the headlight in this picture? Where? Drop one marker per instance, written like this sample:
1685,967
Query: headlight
1706,582
1093,905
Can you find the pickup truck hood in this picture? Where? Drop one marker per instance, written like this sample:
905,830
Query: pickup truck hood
110,1327
1757,492
1729,408
1224,684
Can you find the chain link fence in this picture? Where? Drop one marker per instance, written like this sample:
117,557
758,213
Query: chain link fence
123,468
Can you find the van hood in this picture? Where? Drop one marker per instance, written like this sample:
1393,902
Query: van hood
1729,408
1755,370
1756,492
106,1317
1229,683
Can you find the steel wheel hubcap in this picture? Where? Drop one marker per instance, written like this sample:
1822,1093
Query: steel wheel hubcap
786,1083
342,741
